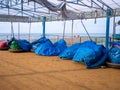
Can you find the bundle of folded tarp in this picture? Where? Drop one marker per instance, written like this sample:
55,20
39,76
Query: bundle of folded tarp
45,47
19,45
89,52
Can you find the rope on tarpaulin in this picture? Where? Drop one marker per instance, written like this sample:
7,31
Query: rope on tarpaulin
86,30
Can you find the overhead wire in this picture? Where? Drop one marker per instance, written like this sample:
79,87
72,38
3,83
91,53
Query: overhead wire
86,30
18,30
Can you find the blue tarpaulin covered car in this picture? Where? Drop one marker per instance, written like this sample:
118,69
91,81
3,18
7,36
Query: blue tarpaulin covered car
69,52
91,54
114,55
45,47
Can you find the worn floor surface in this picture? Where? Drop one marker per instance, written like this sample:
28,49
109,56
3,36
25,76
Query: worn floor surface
27,71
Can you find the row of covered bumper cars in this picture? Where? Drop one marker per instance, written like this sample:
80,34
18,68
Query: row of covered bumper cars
4,45
19,45
45,47
69,52
89,52
114,56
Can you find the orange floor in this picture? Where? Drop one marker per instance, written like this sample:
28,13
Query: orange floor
27,71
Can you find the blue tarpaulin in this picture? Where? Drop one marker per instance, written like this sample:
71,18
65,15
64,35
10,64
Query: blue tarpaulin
83,51
99,58
114,55
60,46
41,40
115,43
24,44
46,48
69,52
36,43
91,54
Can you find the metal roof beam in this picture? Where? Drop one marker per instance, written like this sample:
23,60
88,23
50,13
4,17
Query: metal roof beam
13,18
85,15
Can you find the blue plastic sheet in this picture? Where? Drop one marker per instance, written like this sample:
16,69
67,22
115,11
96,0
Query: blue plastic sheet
60,46
24,44
83,51
69,52
46,48
114,55
99,58
36,43
41,40
91,54
115,43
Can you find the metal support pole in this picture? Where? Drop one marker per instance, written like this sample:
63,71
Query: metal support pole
10,2
64,29
114,26
72,32
108,13
8,7
18,30
77,1
22,7
34,7
12,31
43,23
29,30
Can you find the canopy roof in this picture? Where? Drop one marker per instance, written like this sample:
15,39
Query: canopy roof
34,10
